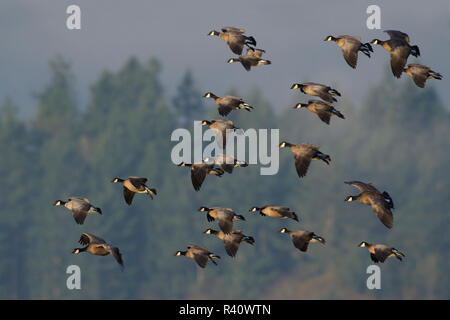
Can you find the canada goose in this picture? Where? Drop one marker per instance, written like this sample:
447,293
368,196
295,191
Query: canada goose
350,46
381,203
199,172
316,89
221,129
232,240
226,162
98,246
324,110
399,51
228,103
80,208
251,59
275,212
420,73
133,185
201,255
380,252
235,38
398,35
301,239
303,154
224,217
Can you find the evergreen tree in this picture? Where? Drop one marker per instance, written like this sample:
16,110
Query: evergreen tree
188,102
17,167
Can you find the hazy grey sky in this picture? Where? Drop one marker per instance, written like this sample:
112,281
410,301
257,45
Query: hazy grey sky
175,31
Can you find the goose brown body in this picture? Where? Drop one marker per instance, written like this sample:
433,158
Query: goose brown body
133,185
399,52
97,246
222,128
324,92
324,110
223,216
350,46
226,104
278,212
304,153
252,58
301,239
380,252
200,255
231,240
420,74
80,208
381,203
235,38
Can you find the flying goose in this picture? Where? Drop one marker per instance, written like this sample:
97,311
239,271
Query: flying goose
303,154
201,255
420,73
98,246
350,46
232,240
235,38
399,51
80,208
381,203
252,58
324,110
224,217
398,35
301,239
380,252
276,212
316,89
222,128
228,103
133,185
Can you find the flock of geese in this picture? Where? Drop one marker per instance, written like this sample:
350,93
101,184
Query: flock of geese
381,202
81,207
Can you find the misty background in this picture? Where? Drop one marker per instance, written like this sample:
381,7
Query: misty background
80,107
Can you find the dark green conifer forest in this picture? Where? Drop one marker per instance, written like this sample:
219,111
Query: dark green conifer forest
398,138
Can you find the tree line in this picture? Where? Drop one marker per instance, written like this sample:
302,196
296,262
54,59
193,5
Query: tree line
398,139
